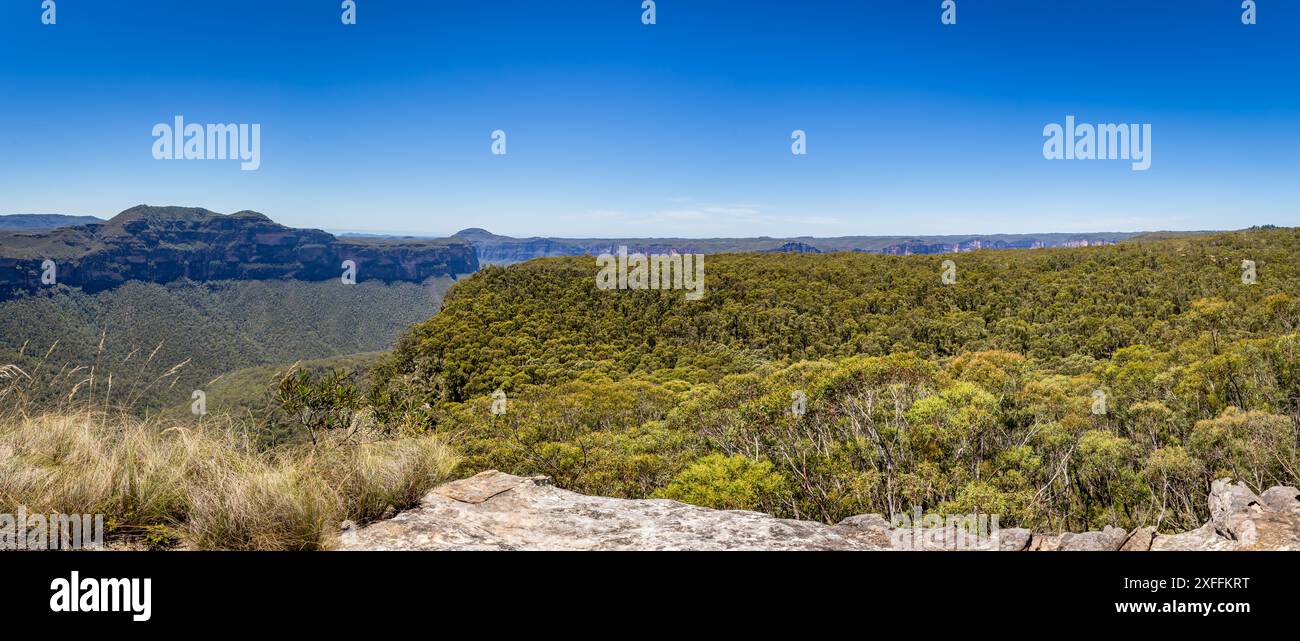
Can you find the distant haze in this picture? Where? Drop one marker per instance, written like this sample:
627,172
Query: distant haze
19,222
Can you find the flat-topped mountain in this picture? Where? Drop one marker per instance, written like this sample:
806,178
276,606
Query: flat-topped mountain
163,244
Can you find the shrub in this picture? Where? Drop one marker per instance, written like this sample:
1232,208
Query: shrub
727,483
318,403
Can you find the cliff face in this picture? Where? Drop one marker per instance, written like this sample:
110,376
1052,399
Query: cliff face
505,253
162,244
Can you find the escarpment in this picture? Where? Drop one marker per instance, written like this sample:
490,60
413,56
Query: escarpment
164,244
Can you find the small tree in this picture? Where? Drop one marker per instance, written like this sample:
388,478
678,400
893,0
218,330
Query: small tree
318,404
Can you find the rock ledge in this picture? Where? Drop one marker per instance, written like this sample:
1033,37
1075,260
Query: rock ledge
498,511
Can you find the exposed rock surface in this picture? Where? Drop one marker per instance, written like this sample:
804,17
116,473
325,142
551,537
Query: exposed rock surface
1014,539
498,511
1107,540
1140,540
163,244
1282,499
1203,538
1243,520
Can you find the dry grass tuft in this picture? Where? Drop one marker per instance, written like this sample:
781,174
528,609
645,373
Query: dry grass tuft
206,487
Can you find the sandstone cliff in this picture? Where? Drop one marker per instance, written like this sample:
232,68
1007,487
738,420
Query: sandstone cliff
163,244
497,511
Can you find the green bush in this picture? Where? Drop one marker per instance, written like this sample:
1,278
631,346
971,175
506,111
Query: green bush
726,483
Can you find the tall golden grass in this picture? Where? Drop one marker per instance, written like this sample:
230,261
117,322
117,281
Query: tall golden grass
197,484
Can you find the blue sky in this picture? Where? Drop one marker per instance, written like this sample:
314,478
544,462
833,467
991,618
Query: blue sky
615,128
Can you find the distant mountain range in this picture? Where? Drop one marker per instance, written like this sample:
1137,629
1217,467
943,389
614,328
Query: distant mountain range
23,222
164,244
493,249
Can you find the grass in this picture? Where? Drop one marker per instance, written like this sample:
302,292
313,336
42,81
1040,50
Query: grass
169,482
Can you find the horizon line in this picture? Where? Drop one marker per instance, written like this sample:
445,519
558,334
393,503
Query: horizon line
435,235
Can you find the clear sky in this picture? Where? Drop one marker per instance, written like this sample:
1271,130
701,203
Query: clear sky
682,128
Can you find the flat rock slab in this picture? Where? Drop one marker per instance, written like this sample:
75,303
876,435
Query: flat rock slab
483,486
497,511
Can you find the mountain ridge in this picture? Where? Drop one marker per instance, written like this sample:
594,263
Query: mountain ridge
165,244
495,249
21,222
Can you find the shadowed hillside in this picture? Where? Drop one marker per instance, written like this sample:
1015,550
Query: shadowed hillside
138,332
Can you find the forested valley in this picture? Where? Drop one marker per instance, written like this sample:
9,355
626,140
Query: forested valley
1059,388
